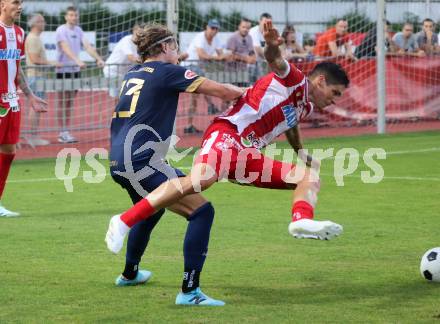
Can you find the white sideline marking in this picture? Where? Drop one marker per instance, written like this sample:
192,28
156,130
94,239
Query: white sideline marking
429,150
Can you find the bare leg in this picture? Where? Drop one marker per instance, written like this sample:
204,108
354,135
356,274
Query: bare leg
61,104
202,176
69,105
192,109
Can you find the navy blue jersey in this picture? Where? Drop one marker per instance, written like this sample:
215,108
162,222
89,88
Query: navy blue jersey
145,113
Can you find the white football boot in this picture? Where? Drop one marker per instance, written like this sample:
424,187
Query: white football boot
7,213
117,230
312,229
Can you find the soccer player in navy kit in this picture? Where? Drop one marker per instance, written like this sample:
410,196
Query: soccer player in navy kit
140,131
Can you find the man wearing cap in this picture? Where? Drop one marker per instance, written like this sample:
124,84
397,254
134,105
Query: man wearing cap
205,47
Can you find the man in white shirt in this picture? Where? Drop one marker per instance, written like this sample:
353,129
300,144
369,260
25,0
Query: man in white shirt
123,55
256,33
204,48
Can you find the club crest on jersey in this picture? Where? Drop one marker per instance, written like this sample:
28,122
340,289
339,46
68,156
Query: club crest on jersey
20,40
11,36
252,138
3,111
190,74
290,113
10,54
245,142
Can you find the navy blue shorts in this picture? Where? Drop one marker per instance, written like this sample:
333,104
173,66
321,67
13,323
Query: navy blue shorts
138,189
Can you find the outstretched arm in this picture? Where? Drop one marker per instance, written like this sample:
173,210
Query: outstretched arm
224,91
294,138
272,51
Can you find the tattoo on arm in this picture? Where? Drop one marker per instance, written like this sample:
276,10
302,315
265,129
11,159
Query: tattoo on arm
275,59
22,83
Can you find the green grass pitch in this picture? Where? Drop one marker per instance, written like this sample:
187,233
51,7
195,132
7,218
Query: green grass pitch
54,266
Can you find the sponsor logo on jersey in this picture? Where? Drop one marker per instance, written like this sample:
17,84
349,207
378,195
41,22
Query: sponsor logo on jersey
148,69
222,146
231,141
245,142
190,74
254,140
10,54
290,113
15,109
9,96
3,111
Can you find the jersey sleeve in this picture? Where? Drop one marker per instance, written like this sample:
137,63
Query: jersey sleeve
61,35
293,77
181,79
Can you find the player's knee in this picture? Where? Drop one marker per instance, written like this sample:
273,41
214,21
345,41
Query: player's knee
8,148
206,210
202,177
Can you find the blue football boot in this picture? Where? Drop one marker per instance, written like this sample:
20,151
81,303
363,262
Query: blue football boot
142,277
197,298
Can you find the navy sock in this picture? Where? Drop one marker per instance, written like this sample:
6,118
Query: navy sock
195,246
130,270
191,280
137,242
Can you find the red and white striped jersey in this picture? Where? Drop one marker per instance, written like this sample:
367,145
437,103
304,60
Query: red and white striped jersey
271,107
11,52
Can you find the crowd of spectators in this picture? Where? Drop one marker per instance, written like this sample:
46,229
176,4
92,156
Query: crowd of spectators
242,54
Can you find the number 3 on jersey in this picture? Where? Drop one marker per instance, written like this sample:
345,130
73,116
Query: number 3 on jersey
134,87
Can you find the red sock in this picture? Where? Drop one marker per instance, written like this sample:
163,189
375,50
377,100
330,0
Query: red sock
5,165
302,209
140,211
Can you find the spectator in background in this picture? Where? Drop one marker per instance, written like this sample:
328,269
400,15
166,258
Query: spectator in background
291,49
368,46
204,48
69,38
406,42
35,56
333,41
309,46
427,39
123,55
256,33
241,48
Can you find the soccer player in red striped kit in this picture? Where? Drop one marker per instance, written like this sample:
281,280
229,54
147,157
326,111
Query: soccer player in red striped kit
11,77
231,148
